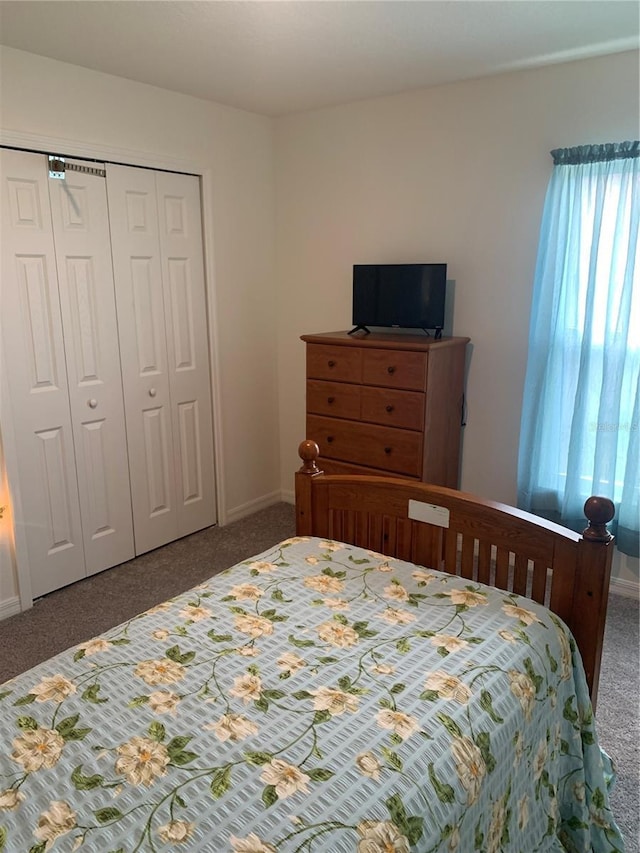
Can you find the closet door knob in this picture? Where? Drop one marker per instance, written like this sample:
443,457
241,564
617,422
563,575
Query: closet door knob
92,403
152,392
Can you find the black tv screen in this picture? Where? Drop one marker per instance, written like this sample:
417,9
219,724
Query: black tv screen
409,296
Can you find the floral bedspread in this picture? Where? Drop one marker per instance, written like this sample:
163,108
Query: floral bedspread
318,697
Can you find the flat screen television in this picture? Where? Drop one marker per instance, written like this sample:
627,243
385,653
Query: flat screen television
406,296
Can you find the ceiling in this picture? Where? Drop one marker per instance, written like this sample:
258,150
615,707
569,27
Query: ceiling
281,56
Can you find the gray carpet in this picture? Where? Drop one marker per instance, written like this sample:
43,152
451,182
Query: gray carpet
89,607
618,712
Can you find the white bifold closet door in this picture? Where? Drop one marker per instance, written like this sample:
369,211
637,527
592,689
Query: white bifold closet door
104,337
159,274
61,351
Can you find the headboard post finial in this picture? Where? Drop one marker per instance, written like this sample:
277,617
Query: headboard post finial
599,511
309,452
305,476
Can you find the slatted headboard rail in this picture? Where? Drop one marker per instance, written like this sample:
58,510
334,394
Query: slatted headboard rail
455,551
483,541
522,567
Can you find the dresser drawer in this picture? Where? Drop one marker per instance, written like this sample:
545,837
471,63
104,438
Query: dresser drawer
395,369
391,449
333,466
385,406
341,364
337,399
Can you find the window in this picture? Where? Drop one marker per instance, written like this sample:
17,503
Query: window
580,431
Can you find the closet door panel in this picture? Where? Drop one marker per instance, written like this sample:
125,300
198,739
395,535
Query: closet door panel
141,328
85,276
34,356
158,460
187,348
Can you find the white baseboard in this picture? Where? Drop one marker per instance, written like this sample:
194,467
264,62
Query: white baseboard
630,589
250,507
9,607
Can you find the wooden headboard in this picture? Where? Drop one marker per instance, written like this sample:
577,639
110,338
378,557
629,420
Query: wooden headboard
477,539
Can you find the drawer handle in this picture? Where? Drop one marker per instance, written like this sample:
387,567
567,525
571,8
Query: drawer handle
331,363
391,369
331,400
387,450
329,439
390,408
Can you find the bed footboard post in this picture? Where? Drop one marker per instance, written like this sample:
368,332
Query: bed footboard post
595,553
309,452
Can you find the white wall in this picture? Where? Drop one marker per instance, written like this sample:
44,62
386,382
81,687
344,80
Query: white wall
455,174
53,99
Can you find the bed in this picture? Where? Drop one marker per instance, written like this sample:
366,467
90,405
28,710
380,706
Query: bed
378,682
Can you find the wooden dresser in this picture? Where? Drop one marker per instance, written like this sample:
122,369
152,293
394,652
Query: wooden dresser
387,404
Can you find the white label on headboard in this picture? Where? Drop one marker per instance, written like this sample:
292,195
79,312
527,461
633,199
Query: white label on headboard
432,514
